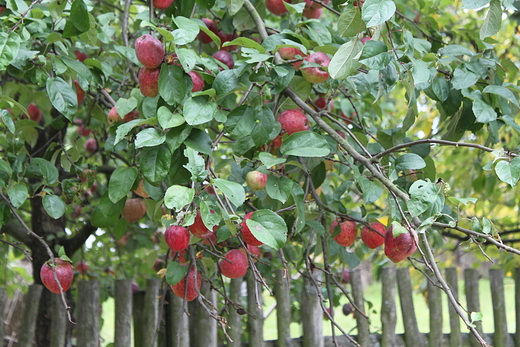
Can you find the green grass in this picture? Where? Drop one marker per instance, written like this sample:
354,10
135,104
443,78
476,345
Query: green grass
372,295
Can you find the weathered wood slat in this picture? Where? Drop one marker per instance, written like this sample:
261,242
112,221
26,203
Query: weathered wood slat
363,336
28,325
178,322
311,313
3,303
411,331
435,306
471,278
455,334
207,335
235,319
138,316
151,313
388,308
496,280
123,313
283,308
517,307
87,329
58,321
255,326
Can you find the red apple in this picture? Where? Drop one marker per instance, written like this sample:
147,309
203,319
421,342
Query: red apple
80,93
293,121
234,264
371,238
365,39
82,268
347,309
227,38
347,235
149,81
134,210
211,26
35,113
290,53
316,74
276,7
247,235
346,276
90,145
177,238
225,58
2,9
255,250
400,247
113,116
193,288
64,272
162,4
312,13
80,56
198,81
199,229
149,51
256,180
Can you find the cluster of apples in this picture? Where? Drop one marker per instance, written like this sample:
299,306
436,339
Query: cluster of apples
311,10
313,74
396,248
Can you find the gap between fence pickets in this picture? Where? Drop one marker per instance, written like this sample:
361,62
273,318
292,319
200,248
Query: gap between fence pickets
471,278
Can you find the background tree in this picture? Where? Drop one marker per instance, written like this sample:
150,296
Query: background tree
397,111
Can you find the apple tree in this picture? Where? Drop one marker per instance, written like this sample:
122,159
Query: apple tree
147,136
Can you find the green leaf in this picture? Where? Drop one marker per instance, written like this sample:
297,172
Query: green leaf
268,227
200,141
187,30
9,46
177,197
398,229
345,62
463,78
371,190
305,144
125,128
225,82
245,42
269,160
232,190
508,172
299,200
6,119
17,194
199,111
409,161
155,163
125,106
279,188
62,97
350,23
376,12
425,199
172,86
49,171
502,92
474,4
375,55
121,181
493,20
441,88
196,165
167,119
4,166
476,316
78,21
150,137
175,272
54,206
233,6
62,255
106,214
463,201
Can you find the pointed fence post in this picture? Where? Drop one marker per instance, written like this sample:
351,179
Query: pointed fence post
235,319
58,321
471,278
255,325
363,330
388,308
207,334
151,313
435,337
3,302
178,322
517,307
501,335
283,308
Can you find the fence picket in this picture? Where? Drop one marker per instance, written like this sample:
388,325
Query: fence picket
175,317
411,331
455,334
3,303
283,308
138,317
435,305
496,280
363,332
28,325
517,307
123,313
255,326
207,334
311,313
235,319
88,314
388,309
58,321
471,278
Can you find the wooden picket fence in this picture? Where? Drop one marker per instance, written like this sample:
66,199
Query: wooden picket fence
138,315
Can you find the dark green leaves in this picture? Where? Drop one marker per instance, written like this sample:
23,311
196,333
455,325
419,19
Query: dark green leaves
268,227
279,188
155,162
225,82
17,194
121,182
199,111
172,86
426,199
54,206
78,22
9,46
409,161
47,169
175,272
62,97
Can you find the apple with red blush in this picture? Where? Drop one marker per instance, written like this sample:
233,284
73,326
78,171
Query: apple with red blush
177,238
276,7
256,180
291,53
64,273
162,4
134,210
149,81
149,51
225,58
191,288
347,232
316,74
35,114
234,264
374,236
90,145
212,26
398,248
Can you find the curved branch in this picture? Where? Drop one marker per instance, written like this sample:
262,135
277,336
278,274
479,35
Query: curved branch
441,142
